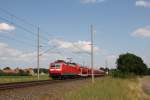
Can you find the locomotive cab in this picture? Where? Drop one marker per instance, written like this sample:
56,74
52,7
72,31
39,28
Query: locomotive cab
61,69
55,70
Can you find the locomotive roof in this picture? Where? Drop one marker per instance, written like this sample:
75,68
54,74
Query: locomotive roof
62,61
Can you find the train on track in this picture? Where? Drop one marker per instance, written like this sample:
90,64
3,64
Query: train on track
62,70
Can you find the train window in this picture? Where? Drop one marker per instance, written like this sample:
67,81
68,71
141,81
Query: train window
53,65
72,65
57,66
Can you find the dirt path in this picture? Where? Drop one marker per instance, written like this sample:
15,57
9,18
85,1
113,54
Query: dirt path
145,83
145,87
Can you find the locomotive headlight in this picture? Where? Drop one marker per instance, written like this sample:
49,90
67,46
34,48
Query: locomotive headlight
55,69
58,69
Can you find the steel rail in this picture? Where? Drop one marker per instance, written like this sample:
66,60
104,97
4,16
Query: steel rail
7,86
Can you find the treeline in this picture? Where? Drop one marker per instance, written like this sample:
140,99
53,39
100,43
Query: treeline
41,70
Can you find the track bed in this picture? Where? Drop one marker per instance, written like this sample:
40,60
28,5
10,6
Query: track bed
54,91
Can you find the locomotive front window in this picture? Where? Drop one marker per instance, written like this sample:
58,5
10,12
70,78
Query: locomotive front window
72,65
57,66
53,65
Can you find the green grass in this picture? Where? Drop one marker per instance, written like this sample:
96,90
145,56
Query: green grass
107,88
10,79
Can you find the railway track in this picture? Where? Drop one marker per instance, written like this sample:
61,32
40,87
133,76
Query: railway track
15,85
7,86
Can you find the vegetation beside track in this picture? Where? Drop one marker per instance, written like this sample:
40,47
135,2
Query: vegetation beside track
109,88
11,79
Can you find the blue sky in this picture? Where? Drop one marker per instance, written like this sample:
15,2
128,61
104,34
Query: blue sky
121,26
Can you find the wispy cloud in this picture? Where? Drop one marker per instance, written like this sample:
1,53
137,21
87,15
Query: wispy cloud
143,3
6,27
91,1
10,54
143,32
76,47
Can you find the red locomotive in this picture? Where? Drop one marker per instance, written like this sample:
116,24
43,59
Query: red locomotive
61,69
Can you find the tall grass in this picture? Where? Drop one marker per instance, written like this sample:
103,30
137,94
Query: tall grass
107,88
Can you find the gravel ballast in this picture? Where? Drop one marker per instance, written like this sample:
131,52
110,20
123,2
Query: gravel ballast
54,91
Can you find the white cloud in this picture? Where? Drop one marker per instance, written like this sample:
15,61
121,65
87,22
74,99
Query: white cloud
5,50
77,47
9,53
10,56
143,3
143,32
6,27
91,1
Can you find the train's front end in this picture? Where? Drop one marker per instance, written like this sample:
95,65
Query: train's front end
55,70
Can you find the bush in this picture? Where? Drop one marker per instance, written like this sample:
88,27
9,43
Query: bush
22,73
148,72
119,74
8,74
44,70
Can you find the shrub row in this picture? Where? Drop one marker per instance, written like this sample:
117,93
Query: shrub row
13,74
118,74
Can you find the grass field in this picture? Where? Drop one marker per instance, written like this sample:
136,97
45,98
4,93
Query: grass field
104,88
108,88
10,79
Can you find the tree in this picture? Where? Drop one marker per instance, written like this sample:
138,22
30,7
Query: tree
23,73
7,68
102,68
130,63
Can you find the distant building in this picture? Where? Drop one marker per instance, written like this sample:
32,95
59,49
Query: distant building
9,71
28,71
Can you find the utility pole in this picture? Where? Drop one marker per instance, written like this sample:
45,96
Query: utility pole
106,63
83,63
38,53
92,53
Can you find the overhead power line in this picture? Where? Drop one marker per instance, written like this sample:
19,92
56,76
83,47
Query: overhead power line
80,49
18,18
17,40
22,28
26,22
